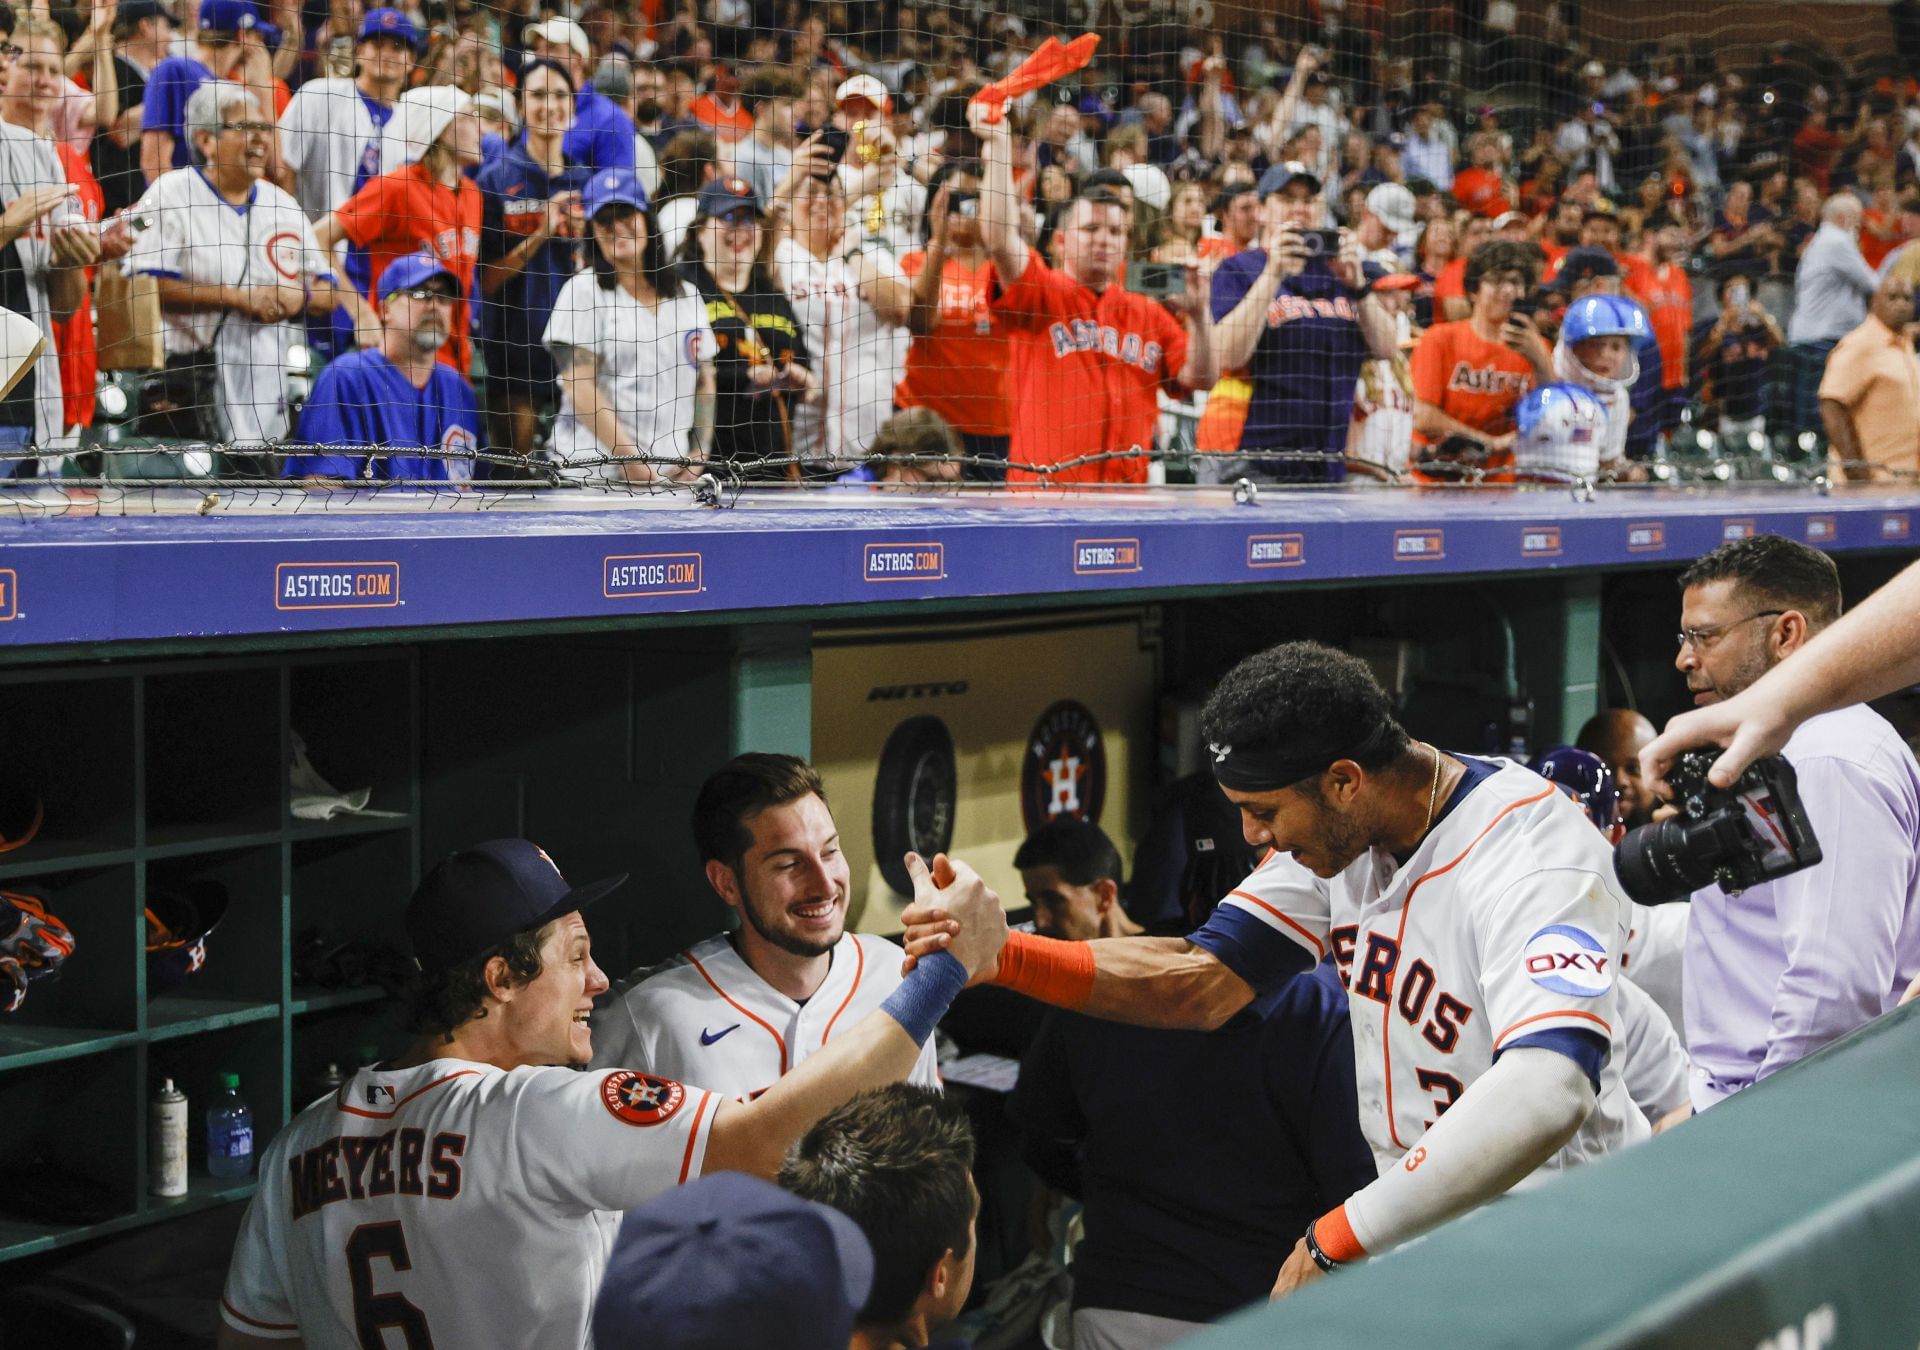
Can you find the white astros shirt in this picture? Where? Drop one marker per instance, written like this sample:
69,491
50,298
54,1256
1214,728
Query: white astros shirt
707,1013
1506,922
455,1204
856,359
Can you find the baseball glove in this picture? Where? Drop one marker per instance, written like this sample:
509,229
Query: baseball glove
33,943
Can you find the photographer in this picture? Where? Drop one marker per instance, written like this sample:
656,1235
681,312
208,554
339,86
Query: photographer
1300,316
1781,969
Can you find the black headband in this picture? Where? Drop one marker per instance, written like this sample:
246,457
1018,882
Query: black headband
1272,767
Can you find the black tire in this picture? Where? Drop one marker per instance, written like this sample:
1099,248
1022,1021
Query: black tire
915,792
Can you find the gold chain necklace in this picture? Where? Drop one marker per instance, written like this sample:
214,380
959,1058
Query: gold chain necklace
1433,793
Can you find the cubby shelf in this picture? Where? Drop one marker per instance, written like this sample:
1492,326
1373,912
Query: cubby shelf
172,776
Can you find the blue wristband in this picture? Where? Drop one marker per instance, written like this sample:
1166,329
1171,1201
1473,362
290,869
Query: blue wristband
923,997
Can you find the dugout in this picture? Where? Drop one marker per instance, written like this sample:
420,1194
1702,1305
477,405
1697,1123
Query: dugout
571,674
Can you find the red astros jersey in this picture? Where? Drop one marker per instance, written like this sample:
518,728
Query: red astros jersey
1503,929
1088,367
707,1014
455,1204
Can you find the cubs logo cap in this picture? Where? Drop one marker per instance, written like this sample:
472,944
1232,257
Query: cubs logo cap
613,187
483,895
385,22
415,269
229,16
732,1261
722,195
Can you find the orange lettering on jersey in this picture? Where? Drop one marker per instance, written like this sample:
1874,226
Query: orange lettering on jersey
1415,1158
640,1098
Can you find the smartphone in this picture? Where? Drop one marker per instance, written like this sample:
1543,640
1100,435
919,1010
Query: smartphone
965,205
1156,280
835,142
1528,305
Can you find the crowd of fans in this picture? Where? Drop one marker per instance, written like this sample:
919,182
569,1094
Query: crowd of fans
750,232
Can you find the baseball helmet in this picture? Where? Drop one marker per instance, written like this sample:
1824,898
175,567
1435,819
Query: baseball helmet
1594,316
1585,777
178,922
1559,428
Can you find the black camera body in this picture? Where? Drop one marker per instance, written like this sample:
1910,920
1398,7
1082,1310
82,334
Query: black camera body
1735,837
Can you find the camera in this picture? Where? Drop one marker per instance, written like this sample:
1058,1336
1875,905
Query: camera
1321,243
1737,837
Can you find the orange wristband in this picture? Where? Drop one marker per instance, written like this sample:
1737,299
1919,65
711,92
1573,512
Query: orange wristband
1335,1236
1047,969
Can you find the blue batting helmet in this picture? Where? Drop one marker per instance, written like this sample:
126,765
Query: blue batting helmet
1583,776
1594,316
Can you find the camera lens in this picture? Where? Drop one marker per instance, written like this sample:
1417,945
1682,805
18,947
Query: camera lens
1661,862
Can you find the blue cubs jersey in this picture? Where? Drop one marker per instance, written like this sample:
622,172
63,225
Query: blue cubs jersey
364,399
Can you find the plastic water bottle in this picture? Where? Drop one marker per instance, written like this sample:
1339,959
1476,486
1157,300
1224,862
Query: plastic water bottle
229,1131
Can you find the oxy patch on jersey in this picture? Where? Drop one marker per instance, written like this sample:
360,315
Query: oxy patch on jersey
640,1098
1568,960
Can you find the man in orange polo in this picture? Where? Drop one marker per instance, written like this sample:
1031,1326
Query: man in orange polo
1870,394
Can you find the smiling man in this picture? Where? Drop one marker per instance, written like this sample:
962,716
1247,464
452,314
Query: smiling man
1776,971
742,1009
1473,912
465,1193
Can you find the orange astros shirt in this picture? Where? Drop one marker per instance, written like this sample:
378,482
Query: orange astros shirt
1087,369
1468,378
960,369
400,212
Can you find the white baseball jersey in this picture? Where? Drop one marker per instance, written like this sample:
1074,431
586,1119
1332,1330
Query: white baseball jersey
649,367
1504,928
706,1013
1653,1063
857,359
1654,955
455,1204
330,138
195,234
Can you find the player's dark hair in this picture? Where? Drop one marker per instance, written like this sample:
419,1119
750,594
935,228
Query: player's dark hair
896,1161
741,788
660,271
1773,571
440,1003
1078,849
1303,695
1501,255
7,19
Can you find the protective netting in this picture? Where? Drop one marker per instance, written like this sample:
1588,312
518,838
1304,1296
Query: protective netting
645,249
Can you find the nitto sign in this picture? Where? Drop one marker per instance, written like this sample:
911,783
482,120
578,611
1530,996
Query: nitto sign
336,585
904,562
623,576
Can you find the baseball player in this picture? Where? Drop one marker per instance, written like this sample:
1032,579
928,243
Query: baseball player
462,1195
1089,356
742,1009
1471,904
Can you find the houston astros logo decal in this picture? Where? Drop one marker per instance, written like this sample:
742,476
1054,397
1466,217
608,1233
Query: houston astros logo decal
640,1098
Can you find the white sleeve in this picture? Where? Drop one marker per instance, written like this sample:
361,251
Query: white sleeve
255,1300
1514,1117
575,318
1654,1064
298,140
160,249
1549,948
608,1140
703,346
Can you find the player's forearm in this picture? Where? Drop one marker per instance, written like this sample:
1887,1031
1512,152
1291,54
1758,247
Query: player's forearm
1145,981
1517,1115
1436,425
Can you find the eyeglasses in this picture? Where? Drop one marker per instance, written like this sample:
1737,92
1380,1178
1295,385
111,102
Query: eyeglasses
1702,638
246,126
424,294
10,53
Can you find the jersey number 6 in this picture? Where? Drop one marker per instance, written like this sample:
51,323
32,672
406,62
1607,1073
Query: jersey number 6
374,1314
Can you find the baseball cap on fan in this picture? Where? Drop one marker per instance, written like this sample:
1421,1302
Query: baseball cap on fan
412,271
561,33
732,1261
1394,205
613,187
391,23
862,86
1278,177
481,896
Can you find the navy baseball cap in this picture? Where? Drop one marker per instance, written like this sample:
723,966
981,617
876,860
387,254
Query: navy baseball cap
481,896
1581,264
614,187
415,269
732,1262
229,16
1278,177
723,195
130,12
392,23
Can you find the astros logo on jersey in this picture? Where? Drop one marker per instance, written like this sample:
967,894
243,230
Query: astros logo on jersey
1567,960
640,1098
